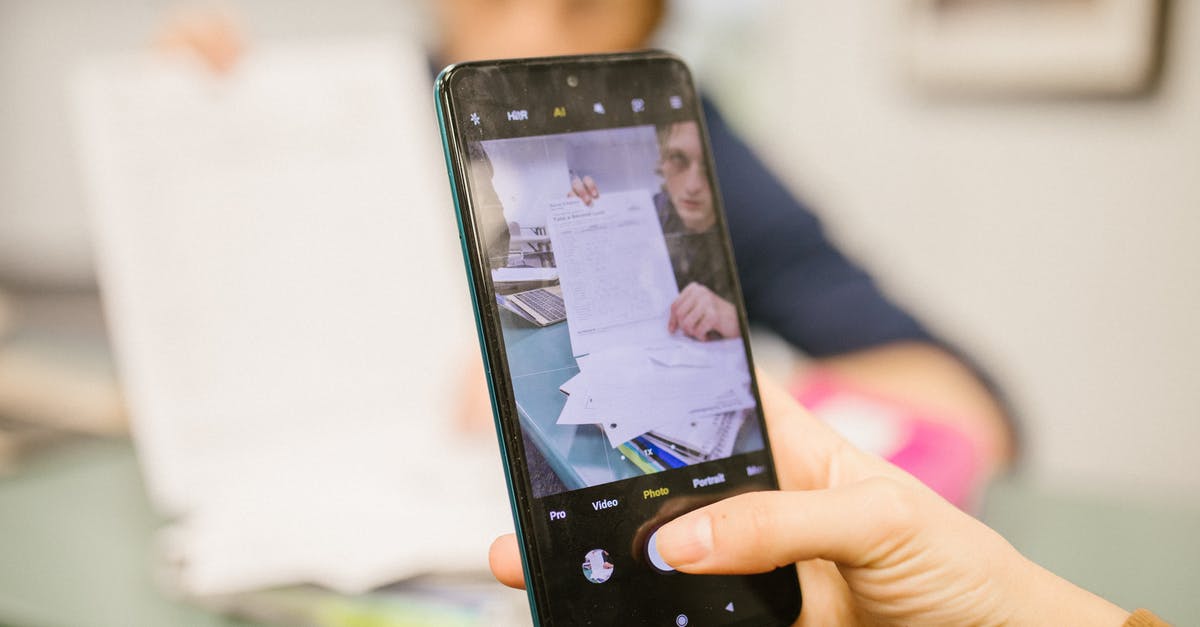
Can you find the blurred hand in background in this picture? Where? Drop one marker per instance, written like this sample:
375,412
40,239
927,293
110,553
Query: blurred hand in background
213,36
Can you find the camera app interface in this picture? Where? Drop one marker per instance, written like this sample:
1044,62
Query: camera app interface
618,308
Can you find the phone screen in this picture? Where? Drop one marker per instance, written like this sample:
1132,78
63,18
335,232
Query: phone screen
614,330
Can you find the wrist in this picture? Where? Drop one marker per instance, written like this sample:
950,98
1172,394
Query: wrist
1043,598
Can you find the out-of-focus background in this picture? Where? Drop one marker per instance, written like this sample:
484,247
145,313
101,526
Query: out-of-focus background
1056,236
1025,176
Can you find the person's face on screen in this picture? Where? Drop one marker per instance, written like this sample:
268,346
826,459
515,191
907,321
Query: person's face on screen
483,29
686,176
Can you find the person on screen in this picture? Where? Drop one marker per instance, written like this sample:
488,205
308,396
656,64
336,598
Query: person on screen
704,309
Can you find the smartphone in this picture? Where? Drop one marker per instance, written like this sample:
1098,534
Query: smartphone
613,330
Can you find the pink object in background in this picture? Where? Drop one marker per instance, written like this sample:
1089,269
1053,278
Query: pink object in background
942,456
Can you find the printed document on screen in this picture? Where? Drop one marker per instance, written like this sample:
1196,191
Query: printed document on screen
615,271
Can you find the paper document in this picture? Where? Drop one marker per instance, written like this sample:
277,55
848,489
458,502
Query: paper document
615,272
524,275
259,237
571,385
628,391
710,437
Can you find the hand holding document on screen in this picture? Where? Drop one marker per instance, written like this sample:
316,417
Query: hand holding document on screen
618,286
614,268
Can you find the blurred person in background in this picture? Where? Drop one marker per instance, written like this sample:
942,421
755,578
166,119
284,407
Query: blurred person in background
686,210
795,281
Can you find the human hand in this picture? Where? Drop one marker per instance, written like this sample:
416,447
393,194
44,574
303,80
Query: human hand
698,310
584,188
213,36
473,404
872,545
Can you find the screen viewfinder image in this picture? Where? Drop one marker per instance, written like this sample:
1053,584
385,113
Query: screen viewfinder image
617,303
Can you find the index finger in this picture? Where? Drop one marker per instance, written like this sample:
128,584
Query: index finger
804,448
852,525
808,453
579,189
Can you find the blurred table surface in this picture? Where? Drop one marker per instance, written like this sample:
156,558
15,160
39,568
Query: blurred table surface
77,542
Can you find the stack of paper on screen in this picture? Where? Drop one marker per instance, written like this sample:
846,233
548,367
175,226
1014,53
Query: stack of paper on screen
523,275
664,400
522,279
689,406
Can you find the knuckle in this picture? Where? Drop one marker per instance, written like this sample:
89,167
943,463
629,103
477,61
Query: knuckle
757,531
895,503
755,523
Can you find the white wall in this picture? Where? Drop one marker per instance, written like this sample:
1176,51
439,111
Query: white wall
1058,240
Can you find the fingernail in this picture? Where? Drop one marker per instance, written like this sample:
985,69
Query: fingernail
686,541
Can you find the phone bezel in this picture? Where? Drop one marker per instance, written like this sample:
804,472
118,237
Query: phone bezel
488,326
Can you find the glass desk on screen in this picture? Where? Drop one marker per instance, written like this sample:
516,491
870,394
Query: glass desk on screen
579,454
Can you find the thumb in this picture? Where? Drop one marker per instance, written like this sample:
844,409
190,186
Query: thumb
505,560
852,525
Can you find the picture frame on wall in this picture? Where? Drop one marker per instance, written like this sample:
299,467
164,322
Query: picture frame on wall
1035,47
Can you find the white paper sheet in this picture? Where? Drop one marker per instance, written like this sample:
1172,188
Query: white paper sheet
571,385
628,418
615,271
282,277
629,391
523,275
713,437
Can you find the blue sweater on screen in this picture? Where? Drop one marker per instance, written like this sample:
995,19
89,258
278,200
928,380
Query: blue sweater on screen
795,282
